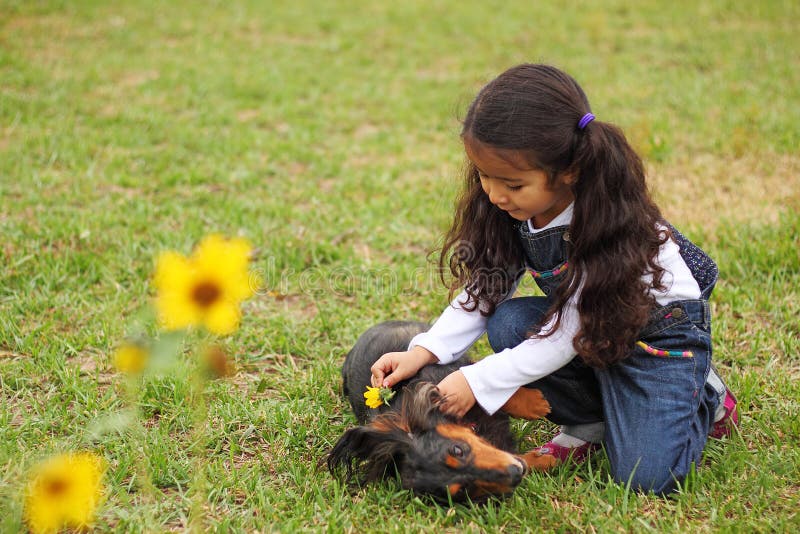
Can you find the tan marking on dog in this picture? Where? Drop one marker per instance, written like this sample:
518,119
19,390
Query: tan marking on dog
389,422
484,455
538,461
452,462
454,488
527,403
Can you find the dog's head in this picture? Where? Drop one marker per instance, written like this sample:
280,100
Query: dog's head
430,453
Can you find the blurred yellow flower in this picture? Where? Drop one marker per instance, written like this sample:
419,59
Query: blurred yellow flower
131,358
64,491
206,288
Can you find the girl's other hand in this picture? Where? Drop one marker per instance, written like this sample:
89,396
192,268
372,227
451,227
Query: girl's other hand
458,396
394,367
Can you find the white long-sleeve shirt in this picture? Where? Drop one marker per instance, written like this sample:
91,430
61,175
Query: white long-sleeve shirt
497,376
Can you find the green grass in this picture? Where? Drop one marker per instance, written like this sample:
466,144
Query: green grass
328,137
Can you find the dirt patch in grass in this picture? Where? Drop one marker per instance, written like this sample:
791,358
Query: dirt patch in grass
298,306
252,452
11,355
94,363
260,379
708,190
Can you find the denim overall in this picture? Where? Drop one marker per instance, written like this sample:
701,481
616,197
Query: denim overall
653,409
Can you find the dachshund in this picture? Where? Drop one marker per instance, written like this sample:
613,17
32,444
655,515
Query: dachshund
430,452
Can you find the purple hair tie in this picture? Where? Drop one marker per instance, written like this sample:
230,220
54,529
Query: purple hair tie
586,119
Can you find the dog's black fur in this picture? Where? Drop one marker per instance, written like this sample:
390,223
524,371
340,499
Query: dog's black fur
393,336
430,452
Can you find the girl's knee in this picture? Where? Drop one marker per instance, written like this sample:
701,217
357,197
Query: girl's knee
498,329
659,479
512,320
660,473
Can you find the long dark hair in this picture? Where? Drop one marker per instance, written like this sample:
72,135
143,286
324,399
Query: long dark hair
533,111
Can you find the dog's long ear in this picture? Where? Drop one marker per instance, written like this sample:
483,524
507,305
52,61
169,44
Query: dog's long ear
421,407
369,452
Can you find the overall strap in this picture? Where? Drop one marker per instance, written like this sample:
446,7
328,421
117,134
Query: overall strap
703,268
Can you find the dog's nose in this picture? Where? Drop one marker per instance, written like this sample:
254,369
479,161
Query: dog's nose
516,472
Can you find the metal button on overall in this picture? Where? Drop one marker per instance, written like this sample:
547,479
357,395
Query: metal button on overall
677,313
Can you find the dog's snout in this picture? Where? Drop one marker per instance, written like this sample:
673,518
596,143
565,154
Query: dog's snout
516,471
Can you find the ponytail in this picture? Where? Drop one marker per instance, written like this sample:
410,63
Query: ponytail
615,239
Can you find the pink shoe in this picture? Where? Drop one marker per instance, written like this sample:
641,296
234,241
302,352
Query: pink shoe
578,454
724,427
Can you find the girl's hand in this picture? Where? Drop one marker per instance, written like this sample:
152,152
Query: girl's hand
394,367
458,397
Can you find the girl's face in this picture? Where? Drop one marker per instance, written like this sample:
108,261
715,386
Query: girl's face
516,188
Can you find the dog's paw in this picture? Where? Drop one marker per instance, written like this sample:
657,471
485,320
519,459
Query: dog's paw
527,403
538,404
538,461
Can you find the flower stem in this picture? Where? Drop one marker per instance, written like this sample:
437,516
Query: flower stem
198,488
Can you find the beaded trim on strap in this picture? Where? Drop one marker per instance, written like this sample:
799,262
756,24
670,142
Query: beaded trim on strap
552,272
664,353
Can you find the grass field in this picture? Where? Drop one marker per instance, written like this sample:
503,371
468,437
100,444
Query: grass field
326,134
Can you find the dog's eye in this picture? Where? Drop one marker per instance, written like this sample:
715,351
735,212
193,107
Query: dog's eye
456,451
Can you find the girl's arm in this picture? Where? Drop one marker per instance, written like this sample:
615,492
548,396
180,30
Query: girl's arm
455,330
495,378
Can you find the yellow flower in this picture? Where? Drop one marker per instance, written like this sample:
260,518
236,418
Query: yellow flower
375,397
64,491
131,358
205,288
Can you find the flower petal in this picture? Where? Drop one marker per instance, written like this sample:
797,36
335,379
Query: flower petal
174,272
373,397
222,318
226,262
176,311
174,279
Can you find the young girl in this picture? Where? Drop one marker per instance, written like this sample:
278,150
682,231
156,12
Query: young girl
554,191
